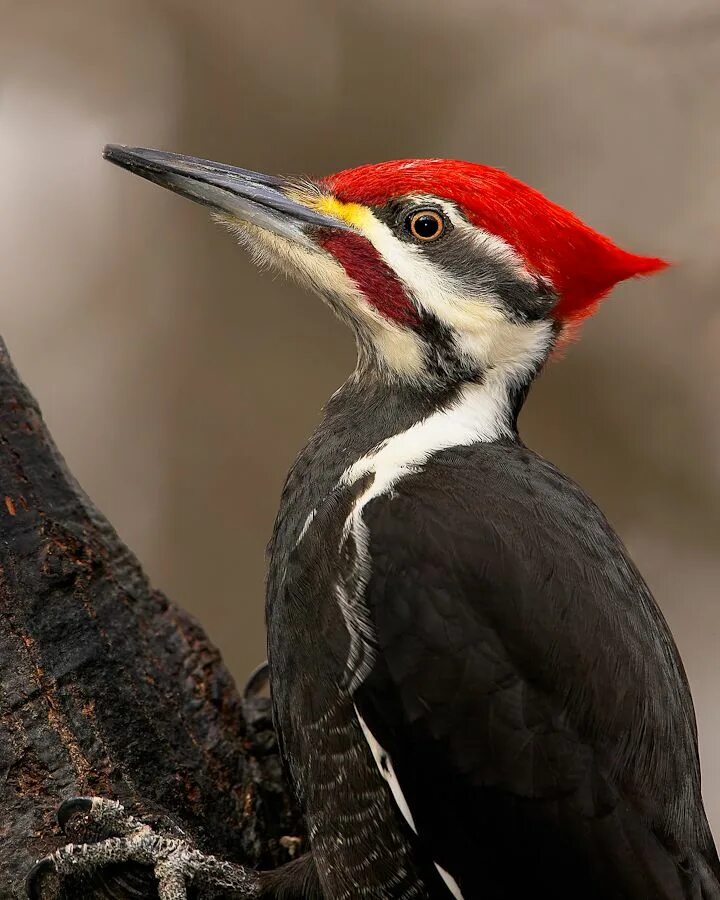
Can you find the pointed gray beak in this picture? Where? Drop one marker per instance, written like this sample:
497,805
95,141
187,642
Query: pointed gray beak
248,196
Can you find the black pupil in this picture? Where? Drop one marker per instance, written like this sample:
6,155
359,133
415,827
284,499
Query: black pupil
426,226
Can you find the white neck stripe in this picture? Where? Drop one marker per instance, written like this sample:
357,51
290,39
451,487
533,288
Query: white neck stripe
481,413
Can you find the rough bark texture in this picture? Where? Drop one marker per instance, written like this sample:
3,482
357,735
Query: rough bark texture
105,686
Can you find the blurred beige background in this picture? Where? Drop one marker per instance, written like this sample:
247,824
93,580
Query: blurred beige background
179,382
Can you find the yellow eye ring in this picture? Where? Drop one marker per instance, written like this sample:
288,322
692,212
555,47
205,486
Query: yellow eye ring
425,225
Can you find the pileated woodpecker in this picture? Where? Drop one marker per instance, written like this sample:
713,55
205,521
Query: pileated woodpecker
474,691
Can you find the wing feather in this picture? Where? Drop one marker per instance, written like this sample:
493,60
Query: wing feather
526,688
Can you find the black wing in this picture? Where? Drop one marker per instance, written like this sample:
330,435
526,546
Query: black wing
527,689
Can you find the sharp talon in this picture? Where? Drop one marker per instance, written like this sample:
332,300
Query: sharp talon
258,681
36,875
72,807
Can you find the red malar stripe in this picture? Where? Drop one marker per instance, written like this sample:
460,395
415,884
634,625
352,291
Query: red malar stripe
371,274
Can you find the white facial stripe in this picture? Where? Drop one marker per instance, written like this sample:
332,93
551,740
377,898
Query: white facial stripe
483,332
428,283
398,347
410,263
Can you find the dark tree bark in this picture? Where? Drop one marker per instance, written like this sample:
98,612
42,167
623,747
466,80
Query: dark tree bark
108,688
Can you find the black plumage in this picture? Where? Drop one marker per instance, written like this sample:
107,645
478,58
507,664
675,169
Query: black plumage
527,687
524,684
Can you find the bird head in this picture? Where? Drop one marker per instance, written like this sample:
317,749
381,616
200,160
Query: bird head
444,269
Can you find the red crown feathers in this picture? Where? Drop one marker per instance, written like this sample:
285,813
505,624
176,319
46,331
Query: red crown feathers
582,264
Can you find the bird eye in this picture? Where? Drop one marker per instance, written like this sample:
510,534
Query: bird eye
425,224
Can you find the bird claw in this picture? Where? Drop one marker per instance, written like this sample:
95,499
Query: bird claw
41,879
258,683
73,807
126,841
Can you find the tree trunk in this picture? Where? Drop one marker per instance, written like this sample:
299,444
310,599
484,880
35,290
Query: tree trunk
106,687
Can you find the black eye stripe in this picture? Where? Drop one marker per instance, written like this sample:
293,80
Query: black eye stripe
396,214
475,269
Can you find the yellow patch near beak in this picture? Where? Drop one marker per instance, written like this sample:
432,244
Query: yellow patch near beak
353,213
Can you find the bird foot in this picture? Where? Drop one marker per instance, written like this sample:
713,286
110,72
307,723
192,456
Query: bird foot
175,863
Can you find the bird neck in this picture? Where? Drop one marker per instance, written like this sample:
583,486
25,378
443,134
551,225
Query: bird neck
372,423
